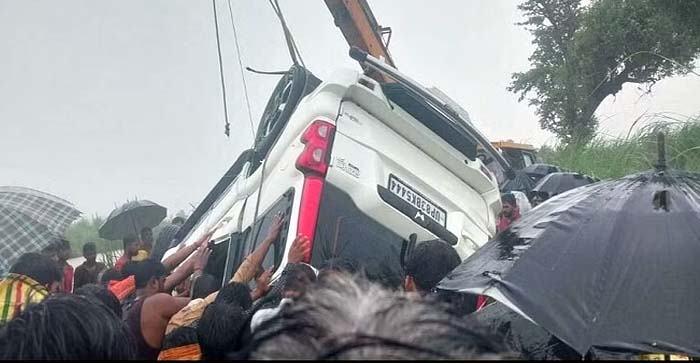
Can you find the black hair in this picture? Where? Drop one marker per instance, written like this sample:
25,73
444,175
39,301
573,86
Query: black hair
39,267
184,335
235,293
50,249
128,240
102,295
220,330
178,220
145,229
63,244
110,275
146,270
66,327
509,198
351,318
430,262
296,277
204,285
89,247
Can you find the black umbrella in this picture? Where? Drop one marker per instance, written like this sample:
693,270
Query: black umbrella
613,265
522,335
130,218
560,182
537,171
521,183
533,342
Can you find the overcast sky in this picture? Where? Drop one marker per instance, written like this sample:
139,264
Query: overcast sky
101,101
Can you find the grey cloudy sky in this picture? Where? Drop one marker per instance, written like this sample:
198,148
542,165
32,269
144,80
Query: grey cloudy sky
104,100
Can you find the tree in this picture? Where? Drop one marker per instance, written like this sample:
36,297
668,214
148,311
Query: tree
585,54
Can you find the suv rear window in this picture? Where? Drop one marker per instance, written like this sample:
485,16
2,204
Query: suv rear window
344,231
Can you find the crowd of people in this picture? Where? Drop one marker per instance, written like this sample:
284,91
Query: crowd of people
143,308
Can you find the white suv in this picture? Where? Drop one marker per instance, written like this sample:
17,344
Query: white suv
363,169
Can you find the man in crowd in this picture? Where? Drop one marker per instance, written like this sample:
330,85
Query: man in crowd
88,272
148,316
509,212
131,248
64,251
31,279
428,264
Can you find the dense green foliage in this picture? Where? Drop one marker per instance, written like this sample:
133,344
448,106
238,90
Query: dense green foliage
611,158
586,53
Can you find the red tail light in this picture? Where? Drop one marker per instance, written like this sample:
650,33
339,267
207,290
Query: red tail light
317,138
313,162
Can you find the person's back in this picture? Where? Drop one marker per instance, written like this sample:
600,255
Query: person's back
30,280
148,316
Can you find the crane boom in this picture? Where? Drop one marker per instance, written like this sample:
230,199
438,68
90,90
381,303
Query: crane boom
360,29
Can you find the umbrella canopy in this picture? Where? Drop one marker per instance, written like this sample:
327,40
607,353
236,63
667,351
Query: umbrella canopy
559,182
130,218
29,221
611,265
522,335
521,183
538,171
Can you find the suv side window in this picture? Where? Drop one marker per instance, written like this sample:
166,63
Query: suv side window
259,231
217,261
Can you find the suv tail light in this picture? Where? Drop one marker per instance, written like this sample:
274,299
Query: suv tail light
313,162
317,138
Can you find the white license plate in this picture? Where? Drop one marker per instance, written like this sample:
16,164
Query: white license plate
416,199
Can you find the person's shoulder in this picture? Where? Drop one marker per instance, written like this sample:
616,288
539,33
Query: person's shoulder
160,297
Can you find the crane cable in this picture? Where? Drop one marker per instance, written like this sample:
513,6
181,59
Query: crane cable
289,38
227,126
240,65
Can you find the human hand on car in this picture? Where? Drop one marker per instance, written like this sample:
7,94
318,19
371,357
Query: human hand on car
275,227
300,250
262,283
201,258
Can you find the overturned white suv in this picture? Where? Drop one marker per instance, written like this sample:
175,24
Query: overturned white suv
363,169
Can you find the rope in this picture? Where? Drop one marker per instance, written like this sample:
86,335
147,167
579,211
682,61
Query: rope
240,65
291,45
227,126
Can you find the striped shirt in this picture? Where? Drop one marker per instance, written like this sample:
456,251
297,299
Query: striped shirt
16,292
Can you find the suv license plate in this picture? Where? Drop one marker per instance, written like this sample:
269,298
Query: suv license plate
416,199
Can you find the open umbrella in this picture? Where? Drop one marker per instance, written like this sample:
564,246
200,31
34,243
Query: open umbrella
29,221
522,335
612,265
559,182
130,218
538,171
521,183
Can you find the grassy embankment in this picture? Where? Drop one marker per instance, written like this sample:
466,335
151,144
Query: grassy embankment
607,157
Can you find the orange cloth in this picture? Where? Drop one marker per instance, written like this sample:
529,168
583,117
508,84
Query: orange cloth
122,289
185,352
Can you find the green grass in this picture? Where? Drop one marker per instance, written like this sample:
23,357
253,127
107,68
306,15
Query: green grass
608,157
